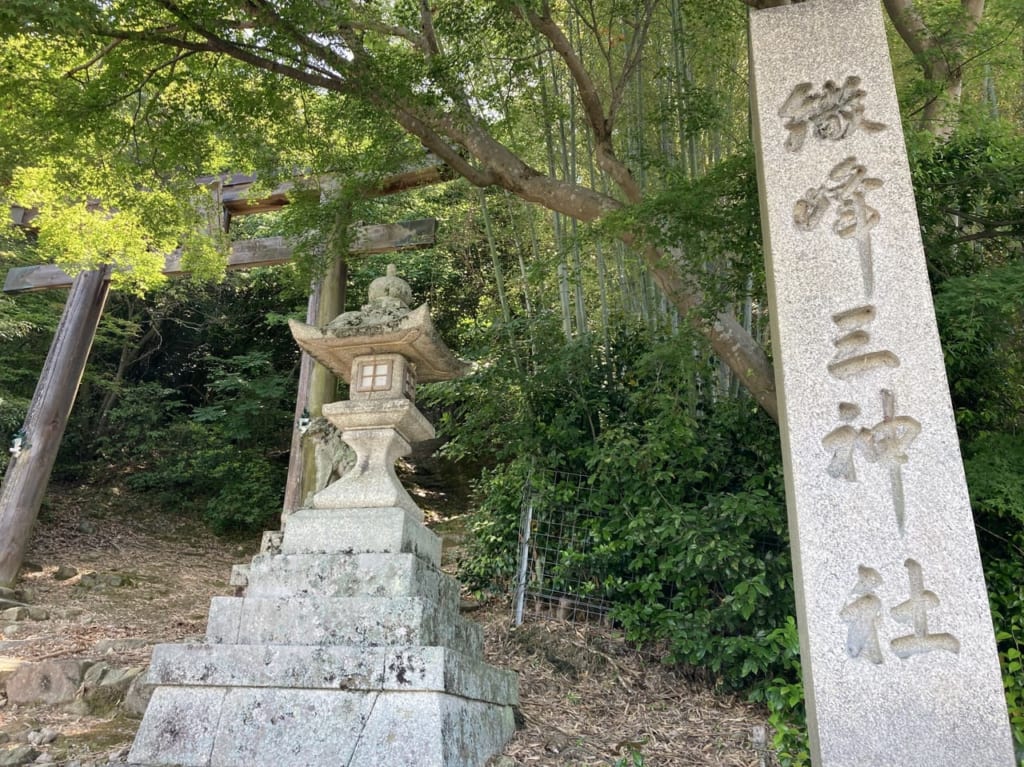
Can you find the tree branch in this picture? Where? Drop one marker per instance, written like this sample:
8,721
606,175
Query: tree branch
94,60
150,74
988,234
632,61
589,20
600,124
589,96
910,26
219,45
941,64
976,219
388,30
435,142
308,45
433,48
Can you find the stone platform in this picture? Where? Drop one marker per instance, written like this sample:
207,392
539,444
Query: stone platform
347,648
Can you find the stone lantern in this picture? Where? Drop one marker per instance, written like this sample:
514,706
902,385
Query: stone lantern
381,351
347,646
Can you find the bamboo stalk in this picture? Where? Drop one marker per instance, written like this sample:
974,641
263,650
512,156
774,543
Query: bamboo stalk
563,293
527,304
499,276
556,218
567,137
602,270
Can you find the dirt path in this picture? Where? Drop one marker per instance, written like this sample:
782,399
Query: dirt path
140,579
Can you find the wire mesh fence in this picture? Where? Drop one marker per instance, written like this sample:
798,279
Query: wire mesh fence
554,579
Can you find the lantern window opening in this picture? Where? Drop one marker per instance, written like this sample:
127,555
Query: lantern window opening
375,376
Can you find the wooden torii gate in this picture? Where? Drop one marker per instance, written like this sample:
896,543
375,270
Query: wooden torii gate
28,472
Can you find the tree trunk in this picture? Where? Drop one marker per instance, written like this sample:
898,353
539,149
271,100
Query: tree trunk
28,474
941,58
130,354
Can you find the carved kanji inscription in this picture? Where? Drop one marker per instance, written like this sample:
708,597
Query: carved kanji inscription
914,613
863,615
852,355
846,188
832,113
885,442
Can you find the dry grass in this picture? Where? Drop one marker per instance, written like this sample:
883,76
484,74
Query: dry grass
587,698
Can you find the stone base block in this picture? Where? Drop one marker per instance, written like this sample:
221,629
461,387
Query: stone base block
365,621
408,669
356,575
389,530
252,727
271,542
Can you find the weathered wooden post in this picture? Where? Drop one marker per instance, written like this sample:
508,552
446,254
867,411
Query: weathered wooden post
316,385
29,472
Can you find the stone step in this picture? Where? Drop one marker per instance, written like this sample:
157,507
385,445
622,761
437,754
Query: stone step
239,576
365,621
265,727
410,668
390,530
333,575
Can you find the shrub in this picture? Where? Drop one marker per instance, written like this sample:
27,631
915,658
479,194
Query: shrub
221,462
682,510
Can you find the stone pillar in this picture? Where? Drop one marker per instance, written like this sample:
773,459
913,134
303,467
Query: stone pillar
898,653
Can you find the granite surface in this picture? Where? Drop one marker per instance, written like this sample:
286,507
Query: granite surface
897,646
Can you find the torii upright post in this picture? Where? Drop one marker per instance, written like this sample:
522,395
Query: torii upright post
29,472
316,385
